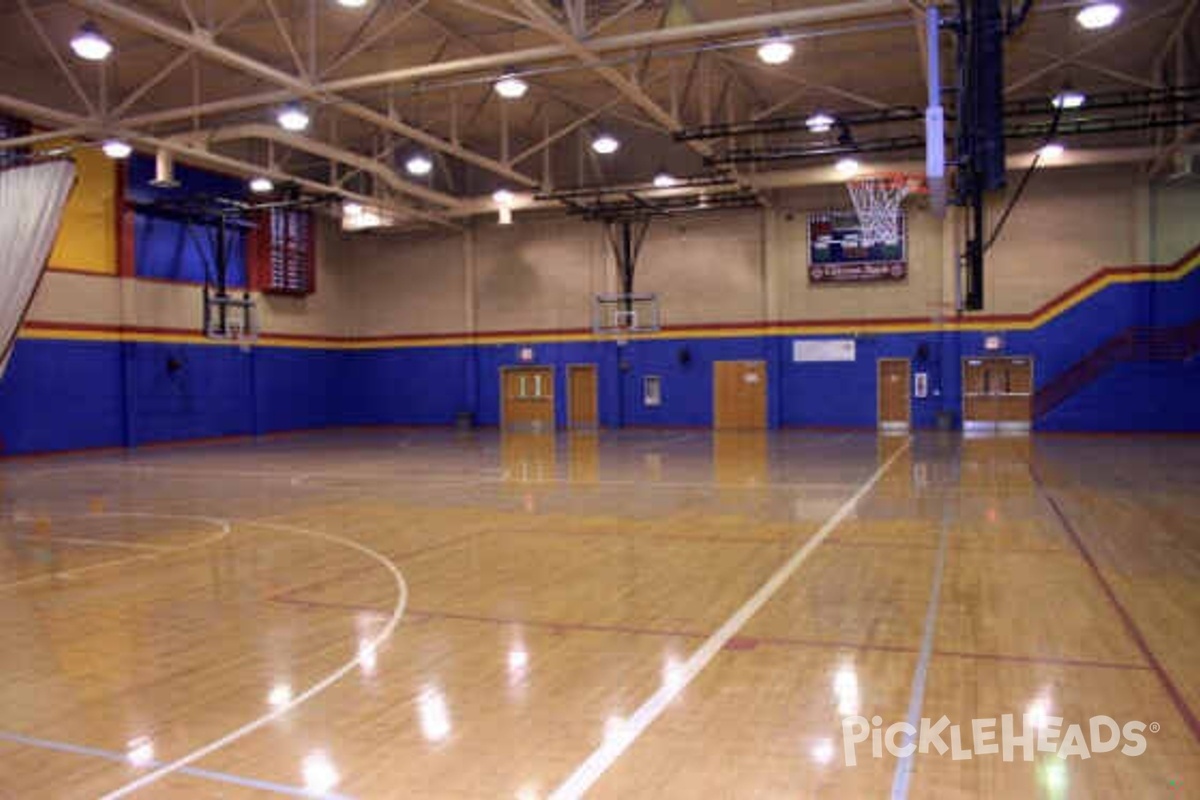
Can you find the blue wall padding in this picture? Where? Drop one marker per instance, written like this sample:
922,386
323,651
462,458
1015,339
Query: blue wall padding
163,246
64,394
170,249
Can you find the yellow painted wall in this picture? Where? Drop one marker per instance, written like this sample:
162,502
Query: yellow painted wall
87,240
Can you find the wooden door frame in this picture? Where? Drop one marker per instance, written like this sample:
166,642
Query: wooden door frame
893,427
506,368
997,427
595,370
766,375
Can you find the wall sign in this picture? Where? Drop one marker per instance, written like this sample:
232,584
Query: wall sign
525,354
921,385
836,253
823,350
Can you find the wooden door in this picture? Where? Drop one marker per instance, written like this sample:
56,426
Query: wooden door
527,398
581,396
895,400
739,395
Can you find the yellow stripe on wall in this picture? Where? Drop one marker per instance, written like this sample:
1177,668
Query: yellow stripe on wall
87,239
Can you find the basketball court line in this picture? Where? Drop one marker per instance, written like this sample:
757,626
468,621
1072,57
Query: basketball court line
371,646
916,698
1131,627
70,574
601,759
195,772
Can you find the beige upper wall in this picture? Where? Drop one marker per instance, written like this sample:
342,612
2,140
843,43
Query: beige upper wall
542,272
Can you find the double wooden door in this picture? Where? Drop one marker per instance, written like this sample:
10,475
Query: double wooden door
997,393
527,398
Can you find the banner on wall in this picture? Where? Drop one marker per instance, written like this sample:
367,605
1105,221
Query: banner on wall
836,253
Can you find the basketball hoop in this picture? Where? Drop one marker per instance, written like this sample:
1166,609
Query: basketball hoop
877,200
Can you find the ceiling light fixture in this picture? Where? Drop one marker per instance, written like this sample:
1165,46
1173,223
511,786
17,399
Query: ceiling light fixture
418,165
1068,100
261,185
820,122
293,118
510,87
606,144
776,50
89,44
664,180
503,197
848,167
1052,151
115,148
1095,16
352,3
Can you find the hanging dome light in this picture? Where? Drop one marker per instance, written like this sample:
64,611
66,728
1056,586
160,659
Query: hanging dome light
1095,16
503,197
776,50
261,185
419,165
510,87
820,122
293,118
115,148
606,144
1069,100
664,180
848,167
1051,151
89,44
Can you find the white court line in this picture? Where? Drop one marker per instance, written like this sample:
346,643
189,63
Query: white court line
69,574
370,647
590,771
916,698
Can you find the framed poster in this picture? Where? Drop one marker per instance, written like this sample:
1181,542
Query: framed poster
836,253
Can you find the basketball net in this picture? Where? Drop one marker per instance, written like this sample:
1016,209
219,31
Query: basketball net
877,202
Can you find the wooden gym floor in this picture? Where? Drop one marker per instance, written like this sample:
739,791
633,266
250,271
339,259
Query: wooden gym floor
424,614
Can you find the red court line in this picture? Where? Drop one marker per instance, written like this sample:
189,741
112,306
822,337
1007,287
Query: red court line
745,643
1131,627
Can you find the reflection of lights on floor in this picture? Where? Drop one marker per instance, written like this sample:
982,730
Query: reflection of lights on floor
527,793
281,695
614,728
845,688
366,657
1038,711
518,662
319,773
672,673
140,752
822,751
1055,778
435,716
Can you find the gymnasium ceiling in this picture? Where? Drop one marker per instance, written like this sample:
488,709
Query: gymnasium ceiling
206,78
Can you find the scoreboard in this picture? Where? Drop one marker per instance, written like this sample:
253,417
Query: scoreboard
836,253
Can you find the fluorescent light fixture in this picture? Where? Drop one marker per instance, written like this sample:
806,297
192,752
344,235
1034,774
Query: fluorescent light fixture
1095,16
503,197
1052,151
1069,100
820,122
664,180
605,144
510,87
776,50
90,45
418,165
352,3
293,118
115,148
261,185
848,167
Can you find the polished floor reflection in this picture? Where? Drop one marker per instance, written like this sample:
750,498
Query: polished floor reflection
671,614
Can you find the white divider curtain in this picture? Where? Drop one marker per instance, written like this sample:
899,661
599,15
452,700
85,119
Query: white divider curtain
32,198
